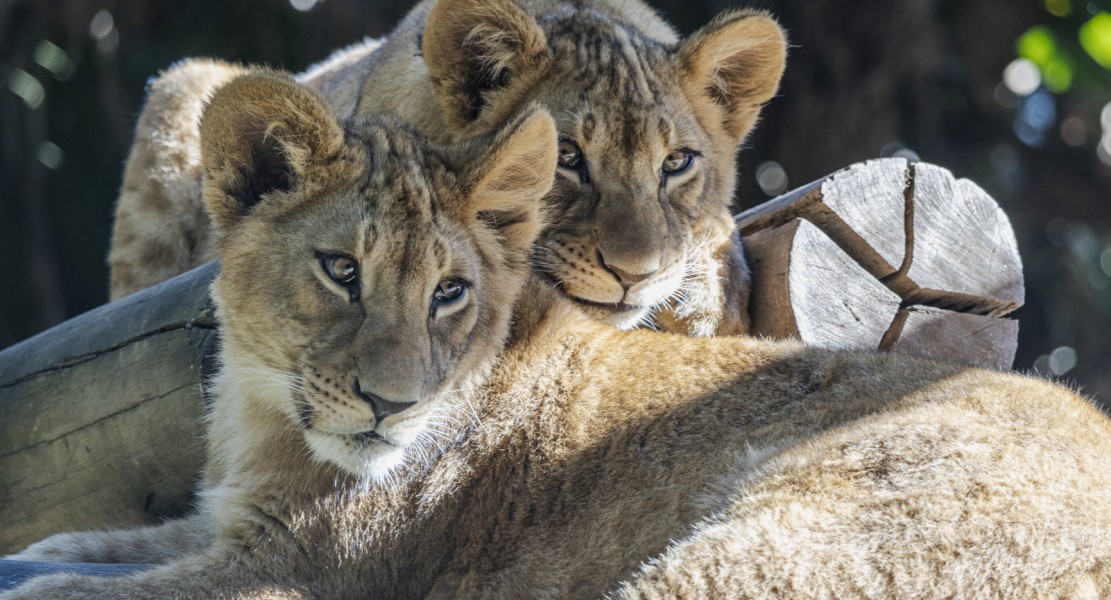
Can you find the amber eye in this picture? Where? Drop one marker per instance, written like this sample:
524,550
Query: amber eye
678,161
341,268
570,155
449,291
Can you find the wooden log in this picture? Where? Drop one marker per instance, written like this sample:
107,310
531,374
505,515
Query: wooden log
964,246
968,338
919,239
800,267
102,414
102,422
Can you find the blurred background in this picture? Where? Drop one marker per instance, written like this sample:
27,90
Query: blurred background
1013,94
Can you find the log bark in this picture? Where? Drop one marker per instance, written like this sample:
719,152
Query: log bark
103,414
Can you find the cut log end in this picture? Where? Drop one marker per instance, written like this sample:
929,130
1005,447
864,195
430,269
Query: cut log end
888,255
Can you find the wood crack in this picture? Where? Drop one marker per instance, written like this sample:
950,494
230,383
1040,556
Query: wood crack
200,323
100,420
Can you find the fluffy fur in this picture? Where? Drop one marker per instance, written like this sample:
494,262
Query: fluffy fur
548,455
625,237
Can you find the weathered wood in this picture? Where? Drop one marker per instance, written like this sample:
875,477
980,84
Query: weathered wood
102,414
855,259
967,338
964,244
799,266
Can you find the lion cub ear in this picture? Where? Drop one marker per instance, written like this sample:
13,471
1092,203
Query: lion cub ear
482,57
261,133
732,66
505,189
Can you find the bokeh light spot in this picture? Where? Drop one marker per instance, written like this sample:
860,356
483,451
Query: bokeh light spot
1022,77
1061,360
24,85
771,178
1095,38
302,5
50,155
897,149
1074,132
1105,261
1104,149
1038,45
1058,75
101,25
1036,114
52,58
1058,8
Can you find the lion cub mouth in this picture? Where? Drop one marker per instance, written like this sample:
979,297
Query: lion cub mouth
618,314
606,307
614,307
370,437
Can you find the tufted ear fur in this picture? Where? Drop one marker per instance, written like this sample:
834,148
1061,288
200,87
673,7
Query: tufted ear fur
482,57
732,66
505,189
260,134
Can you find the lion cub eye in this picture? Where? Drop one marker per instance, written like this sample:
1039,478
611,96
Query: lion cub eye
570,155
678,161
341,268
449,291
448,298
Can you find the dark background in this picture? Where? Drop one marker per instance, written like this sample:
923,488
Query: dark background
865,79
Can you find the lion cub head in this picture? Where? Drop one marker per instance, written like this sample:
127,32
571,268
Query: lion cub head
649,128
365,276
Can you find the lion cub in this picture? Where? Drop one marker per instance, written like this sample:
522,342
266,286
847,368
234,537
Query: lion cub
649,129
404,411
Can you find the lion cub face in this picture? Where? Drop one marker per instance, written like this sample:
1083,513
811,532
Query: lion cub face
365,276
649,129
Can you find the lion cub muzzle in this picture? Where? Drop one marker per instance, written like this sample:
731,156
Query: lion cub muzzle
381,407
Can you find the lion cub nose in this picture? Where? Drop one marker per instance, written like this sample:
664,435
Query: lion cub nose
628,278
382,408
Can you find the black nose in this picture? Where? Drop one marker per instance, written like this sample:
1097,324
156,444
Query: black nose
625,278
382,408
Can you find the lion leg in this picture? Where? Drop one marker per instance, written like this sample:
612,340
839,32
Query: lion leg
161,228
142,545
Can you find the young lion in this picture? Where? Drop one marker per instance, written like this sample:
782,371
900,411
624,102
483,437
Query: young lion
405,411
649,127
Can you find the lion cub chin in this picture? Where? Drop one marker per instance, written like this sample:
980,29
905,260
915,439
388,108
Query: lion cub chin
404,412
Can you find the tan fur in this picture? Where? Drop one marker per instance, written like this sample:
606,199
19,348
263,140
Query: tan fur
551,456
624,240
161,229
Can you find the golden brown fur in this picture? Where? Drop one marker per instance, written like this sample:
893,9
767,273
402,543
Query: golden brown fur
625,237
573,454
